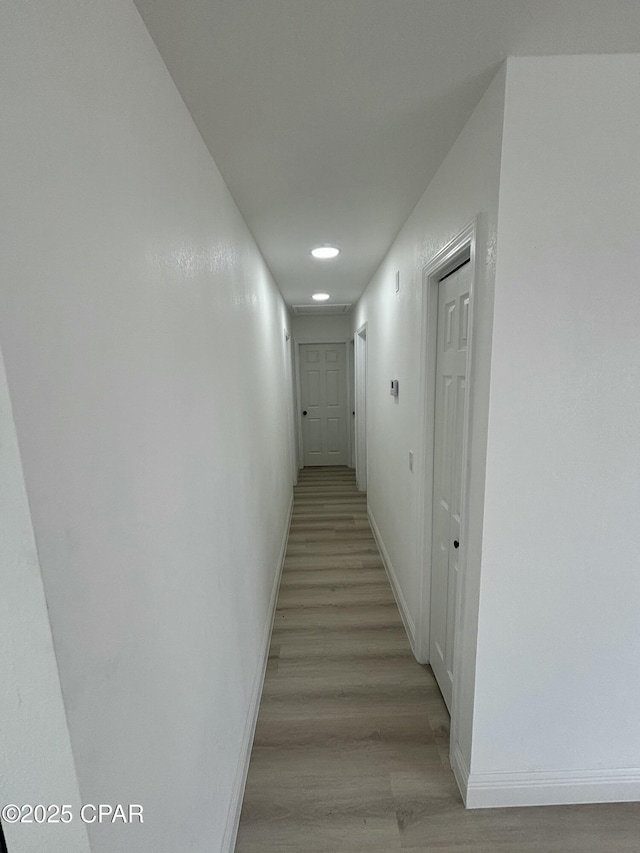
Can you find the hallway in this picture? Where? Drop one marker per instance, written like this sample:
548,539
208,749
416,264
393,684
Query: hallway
197,195
351,746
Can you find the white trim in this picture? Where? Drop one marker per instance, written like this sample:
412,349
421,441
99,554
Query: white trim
326,310
407,619
548,788
543,788
440,264
460,769
235,807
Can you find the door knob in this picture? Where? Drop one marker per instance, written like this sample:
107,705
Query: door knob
456,544
305,412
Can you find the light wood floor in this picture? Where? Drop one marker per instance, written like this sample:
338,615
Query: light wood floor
351,746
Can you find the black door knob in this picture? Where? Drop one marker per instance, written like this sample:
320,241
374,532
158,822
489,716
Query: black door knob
456,544
305,412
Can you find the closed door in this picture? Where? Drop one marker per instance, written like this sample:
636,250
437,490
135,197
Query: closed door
451,366
323,386
361,408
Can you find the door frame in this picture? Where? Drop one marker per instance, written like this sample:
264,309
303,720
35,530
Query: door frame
360,373
443,262
351,353
291,407
297,345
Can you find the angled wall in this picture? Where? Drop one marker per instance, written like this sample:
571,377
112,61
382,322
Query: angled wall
549,635
36,761
145,356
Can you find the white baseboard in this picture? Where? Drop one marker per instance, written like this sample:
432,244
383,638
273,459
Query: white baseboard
543,788
460,770
235,808
409,624
551,788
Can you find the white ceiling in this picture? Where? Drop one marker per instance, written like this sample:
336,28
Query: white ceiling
328,118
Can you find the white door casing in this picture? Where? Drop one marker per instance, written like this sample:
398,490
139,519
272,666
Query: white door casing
289,373
451,370
323,401
446,260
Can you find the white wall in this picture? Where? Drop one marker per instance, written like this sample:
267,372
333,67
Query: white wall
36,762
558,692
145,357
327,328
465,186
323,328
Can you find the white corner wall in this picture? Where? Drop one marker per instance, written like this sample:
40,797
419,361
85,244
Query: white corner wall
557,688
323,328
330,329
36,762
145,356
464,188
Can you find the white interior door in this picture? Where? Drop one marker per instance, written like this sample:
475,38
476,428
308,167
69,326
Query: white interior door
352,403
323,387
361,408
291,410
451,366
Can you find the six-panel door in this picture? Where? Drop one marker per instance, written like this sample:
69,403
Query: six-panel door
451,365
323,389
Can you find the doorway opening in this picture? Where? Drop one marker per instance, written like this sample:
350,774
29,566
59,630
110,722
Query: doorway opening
447,357
360,341
323,383
450,388
293,448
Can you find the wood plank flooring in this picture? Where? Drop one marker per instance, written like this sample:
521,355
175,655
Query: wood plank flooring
351,747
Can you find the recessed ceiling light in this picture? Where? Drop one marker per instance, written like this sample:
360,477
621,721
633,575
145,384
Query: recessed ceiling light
321,297
325,253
